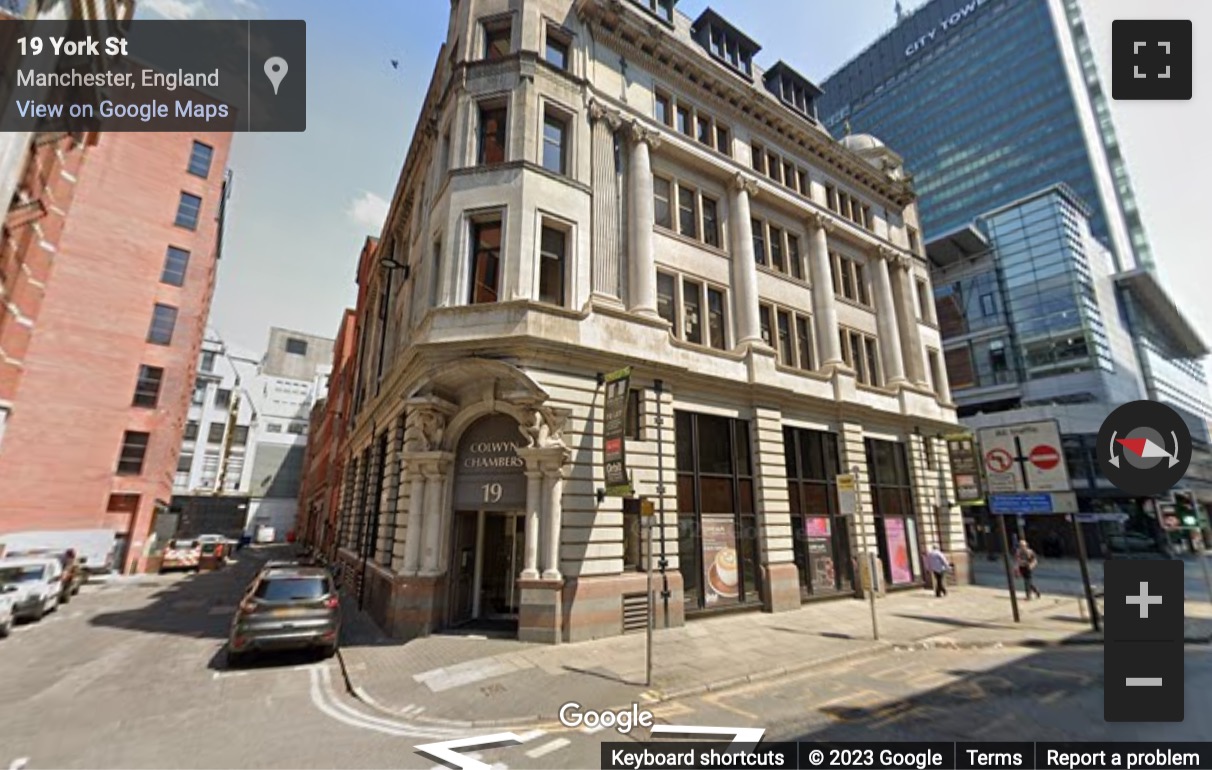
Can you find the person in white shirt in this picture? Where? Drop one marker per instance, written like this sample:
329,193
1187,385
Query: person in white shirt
938,563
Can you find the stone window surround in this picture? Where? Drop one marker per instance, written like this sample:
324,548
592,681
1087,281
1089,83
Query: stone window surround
674,101
679,311
876,379
759,149
485,24
861,285
467,223
548,219
677,182
787,231
554,30
571,119
771,310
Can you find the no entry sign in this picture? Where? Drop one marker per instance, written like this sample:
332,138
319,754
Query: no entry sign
1044,457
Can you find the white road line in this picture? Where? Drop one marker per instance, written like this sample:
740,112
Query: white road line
326,700
527,737
548,747
18,763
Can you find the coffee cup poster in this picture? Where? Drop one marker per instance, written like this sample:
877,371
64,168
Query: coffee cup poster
721,565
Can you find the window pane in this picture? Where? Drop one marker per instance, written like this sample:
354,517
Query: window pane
147,386
776,250
793,256
553,144
860,283
492,135
214,433
497,41
164,320
551,267
764,312
666,299
848,278
134,448
759,241
723,142
803,343
661,194
785,344
872,367
175,263
858,362
557,52
295,346
691,295
705,134
714,444
199,160
485,261
711,222
188,209
683,124
715,495
191,430
683,439
715,318
688,216
663,110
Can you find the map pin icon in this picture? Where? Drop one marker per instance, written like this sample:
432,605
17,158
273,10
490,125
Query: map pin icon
275,70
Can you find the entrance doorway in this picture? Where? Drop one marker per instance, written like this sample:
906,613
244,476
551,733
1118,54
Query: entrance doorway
488,553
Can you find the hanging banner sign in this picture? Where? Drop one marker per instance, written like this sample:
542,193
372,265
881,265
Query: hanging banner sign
614,418
965,468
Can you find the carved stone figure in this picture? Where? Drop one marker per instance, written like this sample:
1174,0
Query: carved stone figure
544,428
425,431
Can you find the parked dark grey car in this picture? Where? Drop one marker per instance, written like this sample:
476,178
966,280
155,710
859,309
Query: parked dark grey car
289,607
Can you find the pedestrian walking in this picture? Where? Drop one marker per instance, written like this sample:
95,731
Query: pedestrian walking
1027,562
938,563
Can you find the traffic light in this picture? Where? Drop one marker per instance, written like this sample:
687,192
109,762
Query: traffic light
1184,506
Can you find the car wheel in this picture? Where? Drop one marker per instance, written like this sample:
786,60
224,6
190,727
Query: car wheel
329,651
65,597
237,659
6,627
37,612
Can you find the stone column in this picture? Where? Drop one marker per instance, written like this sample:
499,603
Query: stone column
906,317
885,317
435,478
534,503
607,250
641,271
416,502
744,262
554,505
824,303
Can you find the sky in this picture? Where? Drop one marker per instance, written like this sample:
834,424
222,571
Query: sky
302,204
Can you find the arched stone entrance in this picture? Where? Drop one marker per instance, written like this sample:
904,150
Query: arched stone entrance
483,465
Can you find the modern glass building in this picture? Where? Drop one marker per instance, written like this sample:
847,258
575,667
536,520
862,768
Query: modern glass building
989,101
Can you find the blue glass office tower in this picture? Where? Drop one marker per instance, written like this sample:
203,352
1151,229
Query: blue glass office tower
999,113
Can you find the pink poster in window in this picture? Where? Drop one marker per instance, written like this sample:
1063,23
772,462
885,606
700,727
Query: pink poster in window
898,550
816,526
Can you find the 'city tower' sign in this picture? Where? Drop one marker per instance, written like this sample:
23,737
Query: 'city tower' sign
945,24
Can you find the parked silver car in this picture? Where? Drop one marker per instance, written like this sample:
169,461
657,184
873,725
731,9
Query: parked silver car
7,602
37,582
289,607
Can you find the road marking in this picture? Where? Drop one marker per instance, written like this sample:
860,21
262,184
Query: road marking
530,736
19,763
229,674
1052,697
548,747
714,700
326,701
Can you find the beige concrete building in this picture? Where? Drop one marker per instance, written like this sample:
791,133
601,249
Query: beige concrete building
603,184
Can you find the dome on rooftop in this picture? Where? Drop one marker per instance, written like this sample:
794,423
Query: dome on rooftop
860,142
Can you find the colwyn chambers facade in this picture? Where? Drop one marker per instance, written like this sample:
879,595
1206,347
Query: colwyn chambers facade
602,184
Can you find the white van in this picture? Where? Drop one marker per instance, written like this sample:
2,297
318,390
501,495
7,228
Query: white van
37,581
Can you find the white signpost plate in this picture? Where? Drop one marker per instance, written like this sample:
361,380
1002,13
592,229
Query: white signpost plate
1027,457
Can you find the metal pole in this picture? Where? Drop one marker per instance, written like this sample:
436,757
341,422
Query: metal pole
871,567
1203,562
1081,559
651,611
870,554
1001,525
658,387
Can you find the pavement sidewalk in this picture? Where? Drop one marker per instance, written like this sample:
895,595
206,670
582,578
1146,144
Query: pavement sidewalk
477,682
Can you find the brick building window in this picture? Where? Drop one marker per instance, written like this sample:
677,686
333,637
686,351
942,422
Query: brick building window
222,398
199,159
175,263
239,435
164,320
191,431
188,209
147,386
134,449
295,346
122,502
214,434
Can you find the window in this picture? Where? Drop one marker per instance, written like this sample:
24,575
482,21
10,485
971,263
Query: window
936,373
819,541
134,449
492,134
786,346
164,320
776,250
199,159
715,319
805,184
661,191
664,109
295,346
188,209
551,265
859,352
175,263
765,320
147,386
122,502
850,279
803,343
788,333
214,433
831,198
692,294
191,431
222,398
485,261
683,120
273,427
239,435
662,8
706,132
298,428
498,39
208,361
915,241
667,299
711,222
556,52
759,241
723,141
435,274
184,462
688,212
793,257
759,159
988,306
860,283
891,494
555,151
923,299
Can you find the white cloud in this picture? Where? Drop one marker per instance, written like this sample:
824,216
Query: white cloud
369,211
174,9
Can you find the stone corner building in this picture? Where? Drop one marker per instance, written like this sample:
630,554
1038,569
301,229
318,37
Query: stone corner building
601,184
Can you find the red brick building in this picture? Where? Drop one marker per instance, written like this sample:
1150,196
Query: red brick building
97,404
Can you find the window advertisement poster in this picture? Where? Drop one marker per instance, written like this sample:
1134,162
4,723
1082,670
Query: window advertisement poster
721,568
614,418
898,550
817,526
819,534
965,469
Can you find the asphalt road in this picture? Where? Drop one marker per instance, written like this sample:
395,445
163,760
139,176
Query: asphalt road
1063,576
135,676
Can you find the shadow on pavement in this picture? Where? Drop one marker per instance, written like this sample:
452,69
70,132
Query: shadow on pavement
954,622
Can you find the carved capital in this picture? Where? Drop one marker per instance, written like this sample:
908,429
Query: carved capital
599,111
544,427
641,133
822,220
745,184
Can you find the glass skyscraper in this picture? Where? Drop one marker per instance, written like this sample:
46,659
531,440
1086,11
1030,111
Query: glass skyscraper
990,101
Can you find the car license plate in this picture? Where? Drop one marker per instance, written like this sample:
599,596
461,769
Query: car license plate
283,613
